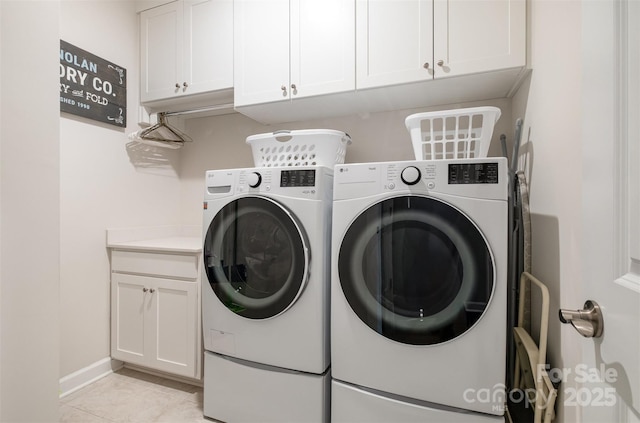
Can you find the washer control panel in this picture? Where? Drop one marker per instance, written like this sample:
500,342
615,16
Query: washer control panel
309,182
298,178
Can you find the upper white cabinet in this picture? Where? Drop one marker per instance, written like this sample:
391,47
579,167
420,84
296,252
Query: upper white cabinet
404,41
408,54
288,49
473,36
291,60
394,41
186,49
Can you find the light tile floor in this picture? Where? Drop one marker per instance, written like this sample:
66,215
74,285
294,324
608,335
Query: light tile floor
131,396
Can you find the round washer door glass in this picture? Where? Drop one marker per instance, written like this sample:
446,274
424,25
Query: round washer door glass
256,257
416,270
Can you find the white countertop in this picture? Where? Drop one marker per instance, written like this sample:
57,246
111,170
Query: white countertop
156,239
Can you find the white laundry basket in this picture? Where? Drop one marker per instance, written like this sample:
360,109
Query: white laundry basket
306,147
452,134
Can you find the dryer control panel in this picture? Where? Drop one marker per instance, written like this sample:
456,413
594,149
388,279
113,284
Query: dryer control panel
480,178
473,173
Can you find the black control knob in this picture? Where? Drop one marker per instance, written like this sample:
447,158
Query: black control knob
254,179
410,175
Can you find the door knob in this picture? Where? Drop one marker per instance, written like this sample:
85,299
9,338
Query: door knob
588,321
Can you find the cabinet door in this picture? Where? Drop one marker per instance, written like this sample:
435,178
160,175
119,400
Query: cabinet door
161,49
394,42
208,36
472,36
261,51
128,304
173,326
154,323
322,47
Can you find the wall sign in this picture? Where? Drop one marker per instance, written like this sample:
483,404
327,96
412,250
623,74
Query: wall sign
92,87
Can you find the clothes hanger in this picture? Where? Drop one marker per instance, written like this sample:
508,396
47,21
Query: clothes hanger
162,134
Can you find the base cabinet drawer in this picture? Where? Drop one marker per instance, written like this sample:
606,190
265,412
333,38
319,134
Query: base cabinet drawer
157,264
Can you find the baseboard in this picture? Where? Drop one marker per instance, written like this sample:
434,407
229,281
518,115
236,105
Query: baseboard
187,380
91,373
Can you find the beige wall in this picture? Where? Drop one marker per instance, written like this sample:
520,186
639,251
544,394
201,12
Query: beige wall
29,213
106,181
550,102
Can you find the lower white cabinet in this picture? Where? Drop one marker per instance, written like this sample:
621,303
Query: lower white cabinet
155,318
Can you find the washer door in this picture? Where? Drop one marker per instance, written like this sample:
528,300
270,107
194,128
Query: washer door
256,257
416,270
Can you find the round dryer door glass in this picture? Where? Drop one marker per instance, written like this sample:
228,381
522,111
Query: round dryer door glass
416,270
256,257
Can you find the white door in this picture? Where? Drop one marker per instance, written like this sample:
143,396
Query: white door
394,42
161,48
606,379
472,36
128,309
261,51
173,326
208,35
322,47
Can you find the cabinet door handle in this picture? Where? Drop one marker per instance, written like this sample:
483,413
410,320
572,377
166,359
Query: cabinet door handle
144,289
294,89
177,85
184,84
426,65
152,290
440,63
284,90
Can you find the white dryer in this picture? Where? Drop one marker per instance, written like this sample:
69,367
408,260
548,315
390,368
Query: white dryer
266,293
418,296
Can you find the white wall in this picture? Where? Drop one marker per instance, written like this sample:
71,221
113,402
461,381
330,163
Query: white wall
106,181
219,143
550,102
29,214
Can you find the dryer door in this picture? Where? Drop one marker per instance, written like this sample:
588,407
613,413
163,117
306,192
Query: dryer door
256,257
416,270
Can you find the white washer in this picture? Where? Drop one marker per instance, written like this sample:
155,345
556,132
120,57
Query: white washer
265,294
418,296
